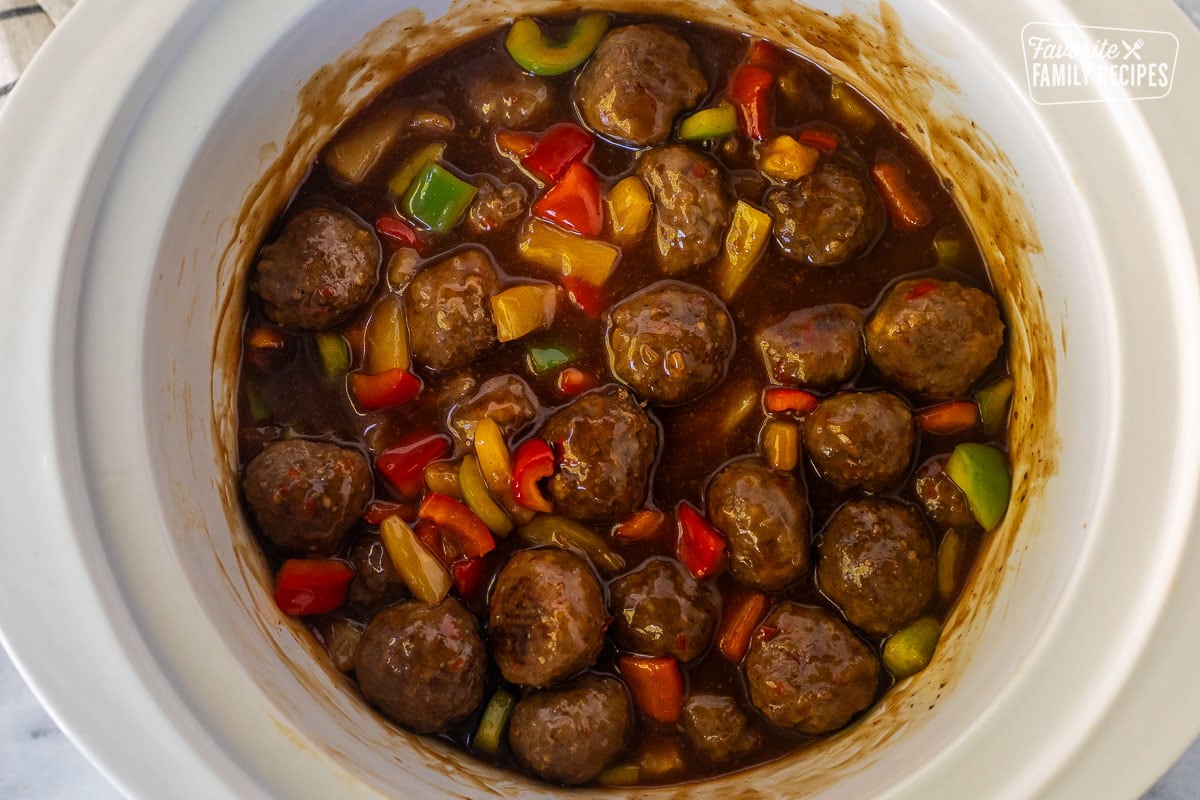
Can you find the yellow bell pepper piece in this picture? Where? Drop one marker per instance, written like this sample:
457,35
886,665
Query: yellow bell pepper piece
627,209
386,337
785,159
572,256
420,570
781,445
492,451
478,499
749,232
520,310
403,177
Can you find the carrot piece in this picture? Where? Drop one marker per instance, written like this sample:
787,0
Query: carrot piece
266,338
779,399
947,418
515,144
742,614
906,209
639,526
656,685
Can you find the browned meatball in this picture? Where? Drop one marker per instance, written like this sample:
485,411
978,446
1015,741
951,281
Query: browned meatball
496,204
502,95
320,270
718,727
877,564
423,666
812,674
943,501
546,617
570,734
934,337
306,495
606,446
816,347
660,610
764,517
860,439
376,582
670,342
691,205
449,313
637,82
507,399
830,216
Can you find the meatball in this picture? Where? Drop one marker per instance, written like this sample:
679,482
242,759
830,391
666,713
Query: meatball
449,313
816,347
423,666
496,204
570,734
546,617
813,674
943,501
830,216
877,564
691,205
660,610
376,582
718,727
502,95
319,272
934,337
606,446
764,518
860,439
307,495
637,82
507,399
670,342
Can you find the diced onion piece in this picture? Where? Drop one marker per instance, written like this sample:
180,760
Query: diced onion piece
628,208
909,650
420,569
739,409
661,757
521,310
571,256
355,152
386,337
852,108
402,267
749,232
781,445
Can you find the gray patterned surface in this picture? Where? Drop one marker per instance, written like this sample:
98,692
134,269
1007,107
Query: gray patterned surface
37,762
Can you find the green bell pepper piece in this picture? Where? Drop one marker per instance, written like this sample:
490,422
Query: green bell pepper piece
981,471
494,721
909,650
709,123
993,405
544,359
437,198
541,55
335,353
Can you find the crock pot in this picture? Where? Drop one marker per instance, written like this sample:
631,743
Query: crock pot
148,147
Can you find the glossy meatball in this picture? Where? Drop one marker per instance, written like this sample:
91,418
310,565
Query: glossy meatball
718,727
764,518
319,272
546,617
637,82
692,205
812,674
449,313
570,734
507,399
504,96
660,610
606,446
376,582
670,342
860,439
934,337
830,216
877,564
815,347
306,495
496,204
423,666
941,498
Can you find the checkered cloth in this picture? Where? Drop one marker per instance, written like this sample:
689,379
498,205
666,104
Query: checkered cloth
23,28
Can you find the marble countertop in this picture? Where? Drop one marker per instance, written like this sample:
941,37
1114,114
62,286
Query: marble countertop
38,762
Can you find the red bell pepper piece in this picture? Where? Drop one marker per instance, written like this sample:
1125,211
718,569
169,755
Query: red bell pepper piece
387,389
656,685
574,202
907,210
403,464
468,575
700,547
947,418
399,231
532,461
778,399
312,585
824,141
740,617
586,296
558,148
750,91
572,381
379,510
429,537
639,526
466,531
764,54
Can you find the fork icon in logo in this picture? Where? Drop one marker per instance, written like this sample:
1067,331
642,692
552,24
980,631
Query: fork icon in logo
1131,50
